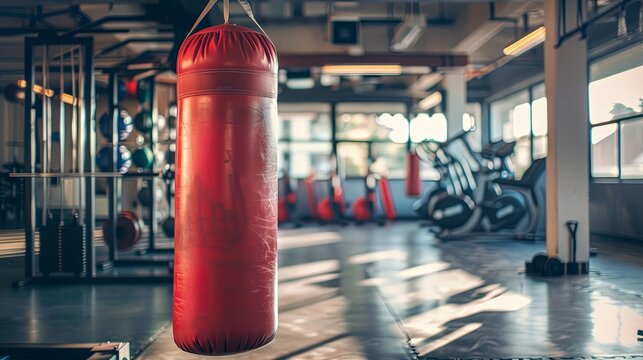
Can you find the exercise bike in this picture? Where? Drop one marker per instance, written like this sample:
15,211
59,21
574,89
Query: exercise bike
287,204
469,202
333,207
364,207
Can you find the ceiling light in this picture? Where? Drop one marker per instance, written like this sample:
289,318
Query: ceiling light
408,33
328,80
299,79
300,84
526,43
426,82
362,69
430,101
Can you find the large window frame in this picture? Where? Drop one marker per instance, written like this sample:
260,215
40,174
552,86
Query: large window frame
286,142
600,56
529,90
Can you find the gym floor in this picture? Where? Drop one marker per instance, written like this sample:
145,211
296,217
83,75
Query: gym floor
371,292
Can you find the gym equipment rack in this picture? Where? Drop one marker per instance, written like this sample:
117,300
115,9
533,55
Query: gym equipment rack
85,171
115,184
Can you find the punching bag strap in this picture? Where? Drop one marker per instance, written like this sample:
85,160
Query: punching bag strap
226,14
246,7
205,12
226,11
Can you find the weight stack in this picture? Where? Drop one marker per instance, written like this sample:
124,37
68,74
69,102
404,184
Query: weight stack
63,249
49,254
73,248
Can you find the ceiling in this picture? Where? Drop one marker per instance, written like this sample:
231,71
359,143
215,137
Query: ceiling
150,31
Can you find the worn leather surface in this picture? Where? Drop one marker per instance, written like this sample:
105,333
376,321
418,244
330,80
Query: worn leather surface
226,192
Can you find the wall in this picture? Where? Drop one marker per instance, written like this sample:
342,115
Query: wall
615,209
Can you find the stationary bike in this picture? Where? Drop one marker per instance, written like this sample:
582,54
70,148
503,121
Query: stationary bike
448,204
481,201
364,207
332,208
287,204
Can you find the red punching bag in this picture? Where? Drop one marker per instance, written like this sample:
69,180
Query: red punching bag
413,181
226,192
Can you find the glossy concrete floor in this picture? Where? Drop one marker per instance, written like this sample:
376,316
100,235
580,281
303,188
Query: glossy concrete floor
377,293
396,292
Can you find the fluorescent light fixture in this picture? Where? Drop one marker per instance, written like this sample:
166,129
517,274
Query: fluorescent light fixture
426,82
526,43
300,84
361,69
141,66
328,80
430,101
408,33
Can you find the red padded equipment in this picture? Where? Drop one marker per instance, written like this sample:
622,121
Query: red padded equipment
283,214
361,210
387,198
325,210
413,181
226,192
309,184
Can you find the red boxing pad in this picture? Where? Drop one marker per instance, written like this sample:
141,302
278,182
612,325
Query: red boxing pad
226,192
413,181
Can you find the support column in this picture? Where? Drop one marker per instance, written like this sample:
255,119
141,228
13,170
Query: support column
568,137
455,84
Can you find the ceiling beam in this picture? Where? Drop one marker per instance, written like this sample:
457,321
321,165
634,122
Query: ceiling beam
490,27
407,59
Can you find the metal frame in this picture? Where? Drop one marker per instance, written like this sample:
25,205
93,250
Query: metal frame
87,140
115,186
334,141
581,22
487,119
86,170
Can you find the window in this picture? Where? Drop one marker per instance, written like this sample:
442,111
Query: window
471,122
304,122
632,149
510,121
304,158
352,159
616,115
425,127
377,121
522,117
539,121
389,159
304,133
604,150
379,129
